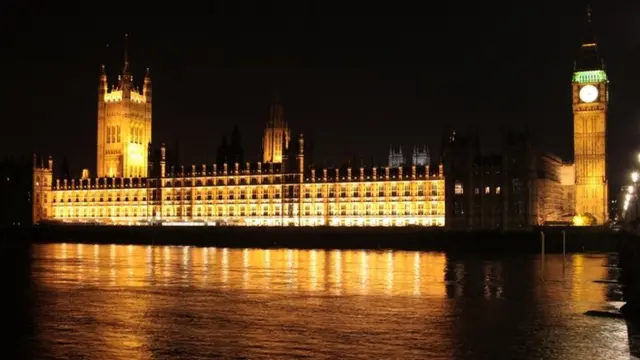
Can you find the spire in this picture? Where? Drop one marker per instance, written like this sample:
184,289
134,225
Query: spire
276,111
589,58
125,70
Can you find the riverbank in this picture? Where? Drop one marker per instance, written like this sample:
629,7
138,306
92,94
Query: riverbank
409,238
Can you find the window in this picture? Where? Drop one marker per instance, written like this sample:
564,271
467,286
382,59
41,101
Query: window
517,186
117,134
487,190
458,188
497,190
476,191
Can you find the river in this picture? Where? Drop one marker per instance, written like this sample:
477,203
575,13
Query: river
160,302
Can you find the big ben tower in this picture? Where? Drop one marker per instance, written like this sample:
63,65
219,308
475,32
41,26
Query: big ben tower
590,97
124,125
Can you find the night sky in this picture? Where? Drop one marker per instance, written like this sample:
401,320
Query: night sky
353,79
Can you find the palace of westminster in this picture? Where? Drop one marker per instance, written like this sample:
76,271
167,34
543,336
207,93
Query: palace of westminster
518,188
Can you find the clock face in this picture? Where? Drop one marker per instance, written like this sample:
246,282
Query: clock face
588,93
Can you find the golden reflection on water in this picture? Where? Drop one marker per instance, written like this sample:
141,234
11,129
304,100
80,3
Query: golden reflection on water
337,272
131,294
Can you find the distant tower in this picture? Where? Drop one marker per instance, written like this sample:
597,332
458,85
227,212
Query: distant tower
276,133
590,98
124,125
42,184
396,158
420,156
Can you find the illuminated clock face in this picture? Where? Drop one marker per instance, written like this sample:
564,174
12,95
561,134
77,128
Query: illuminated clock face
588,93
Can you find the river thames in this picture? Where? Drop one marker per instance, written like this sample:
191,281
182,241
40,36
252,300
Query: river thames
152,302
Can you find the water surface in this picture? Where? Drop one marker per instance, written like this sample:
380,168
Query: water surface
144,302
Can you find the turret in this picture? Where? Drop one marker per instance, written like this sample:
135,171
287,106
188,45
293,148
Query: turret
301,153
126,79
146,89
102,85
163,160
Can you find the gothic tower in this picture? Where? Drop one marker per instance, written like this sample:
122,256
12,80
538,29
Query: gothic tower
396,158
124,125
590,97
276,134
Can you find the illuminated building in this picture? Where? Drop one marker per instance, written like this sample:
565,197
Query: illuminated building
395,157
554,201
568,183
419,156
124,125
590,98
281,191
251,195
276,135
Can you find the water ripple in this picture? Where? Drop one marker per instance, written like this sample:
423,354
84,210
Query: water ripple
144,302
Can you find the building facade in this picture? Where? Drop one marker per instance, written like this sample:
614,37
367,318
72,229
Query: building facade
489,191
568,183
251,195
590,98
551,200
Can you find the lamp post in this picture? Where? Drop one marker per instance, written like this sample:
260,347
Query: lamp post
632,190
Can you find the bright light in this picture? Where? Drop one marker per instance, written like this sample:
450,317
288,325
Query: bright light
626,206
634,176
578,220
630,189
627,197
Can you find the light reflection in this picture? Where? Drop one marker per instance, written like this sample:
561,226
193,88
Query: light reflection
364,271
96,258
313,269
289,270
340,272
225,265
245,268
416,274
337,273
398,273
205,259
389,282
166,264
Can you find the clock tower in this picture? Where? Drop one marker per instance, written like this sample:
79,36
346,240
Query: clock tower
590,97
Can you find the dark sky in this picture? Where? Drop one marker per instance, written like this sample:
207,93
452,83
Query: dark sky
354,78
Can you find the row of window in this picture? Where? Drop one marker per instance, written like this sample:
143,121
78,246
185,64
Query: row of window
135,135
232,195
113,134
517,188
406,209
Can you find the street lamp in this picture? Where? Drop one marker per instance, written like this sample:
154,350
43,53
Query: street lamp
634,177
